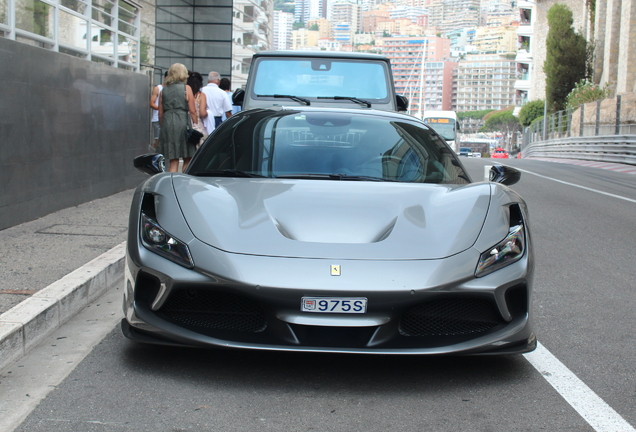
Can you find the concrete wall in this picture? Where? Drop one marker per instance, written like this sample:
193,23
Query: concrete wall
69,130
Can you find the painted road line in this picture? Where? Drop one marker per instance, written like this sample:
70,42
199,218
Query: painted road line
579,186
588,404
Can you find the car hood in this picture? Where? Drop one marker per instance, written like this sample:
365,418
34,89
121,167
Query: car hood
333,219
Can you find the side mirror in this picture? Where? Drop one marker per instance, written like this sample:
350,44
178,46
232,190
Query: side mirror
238,97
504,174
151,163
402,102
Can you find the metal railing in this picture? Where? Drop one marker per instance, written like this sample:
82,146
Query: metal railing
596,131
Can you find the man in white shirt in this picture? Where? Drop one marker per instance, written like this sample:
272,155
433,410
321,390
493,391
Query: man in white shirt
217,102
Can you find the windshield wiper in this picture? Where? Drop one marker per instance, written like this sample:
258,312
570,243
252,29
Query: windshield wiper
294,98
351,98
333,177
227,173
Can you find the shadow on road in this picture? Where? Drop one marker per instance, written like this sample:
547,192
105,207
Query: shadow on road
293,371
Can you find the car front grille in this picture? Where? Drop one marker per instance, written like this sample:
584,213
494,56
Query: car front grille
204,310
450,317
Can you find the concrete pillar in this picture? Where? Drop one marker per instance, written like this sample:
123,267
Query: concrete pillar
612,43
626,78
599,39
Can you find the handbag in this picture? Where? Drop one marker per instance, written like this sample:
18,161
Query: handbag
193,136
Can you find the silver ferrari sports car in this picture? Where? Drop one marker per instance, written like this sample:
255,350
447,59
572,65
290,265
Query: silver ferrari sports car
329,230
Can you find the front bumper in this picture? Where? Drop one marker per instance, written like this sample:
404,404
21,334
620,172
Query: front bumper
251,302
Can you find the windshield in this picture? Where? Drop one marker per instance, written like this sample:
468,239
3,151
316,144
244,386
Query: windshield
330,145
321,78
443,126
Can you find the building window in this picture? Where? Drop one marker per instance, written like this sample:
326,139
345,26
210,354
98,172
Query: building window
100,30
248,14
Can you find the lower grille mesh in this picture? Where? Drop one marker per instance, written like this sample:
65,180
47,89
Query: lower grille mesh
449,317
204,310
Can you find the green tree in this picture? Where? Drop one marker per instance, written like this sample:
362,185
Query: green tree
473,114
283,5
314,27
298,25
530,111
501,121
566,55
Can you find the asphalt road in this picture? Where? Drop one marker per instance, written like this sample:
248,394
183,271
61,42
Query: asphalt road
583,232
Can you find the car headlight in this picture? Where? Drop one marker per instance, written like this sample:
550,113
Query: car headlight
506,252
159,241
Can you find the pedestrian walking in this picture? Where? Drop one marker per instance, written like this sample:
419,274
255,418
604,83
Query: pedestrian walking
195,81
176,102
217,102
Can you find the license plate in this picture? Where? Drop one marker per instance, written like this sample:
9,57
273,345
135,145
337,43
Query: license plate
355,305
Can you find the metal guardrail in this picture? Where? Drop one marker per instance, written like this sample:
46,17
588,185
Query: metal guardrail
598,131
605,148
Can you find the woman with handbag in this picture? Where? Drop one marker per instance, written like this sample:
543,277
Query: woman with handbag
176,101
195,81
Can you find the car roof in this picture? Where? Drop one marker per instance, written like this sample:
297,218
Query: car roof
322,54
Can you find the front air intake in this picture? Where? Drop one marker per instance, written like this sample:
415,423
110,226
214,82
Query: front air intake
450,317
205,310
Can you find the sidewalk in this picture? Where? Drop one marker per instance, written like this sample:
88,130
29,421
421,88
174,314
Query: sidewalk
53,266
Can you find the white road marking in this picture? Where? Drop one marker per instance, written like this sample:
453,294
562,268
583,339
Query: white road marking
578,186
588,404
487,172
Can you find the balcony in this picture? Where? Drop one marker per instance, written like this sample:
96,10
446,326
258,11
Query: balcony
522,84
523,56
525,30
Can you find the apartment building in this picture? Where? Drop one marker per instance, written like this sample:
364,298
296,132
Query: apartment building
304,39
502,39
524,59
344,17
371,19
282,30
421,71
485,81
306,10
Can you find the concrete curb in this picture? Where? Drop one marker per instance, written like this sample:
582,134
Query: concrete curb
25,325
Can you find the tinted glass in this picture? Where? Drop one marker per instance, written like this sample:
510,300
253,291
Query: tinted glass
282,144
321,77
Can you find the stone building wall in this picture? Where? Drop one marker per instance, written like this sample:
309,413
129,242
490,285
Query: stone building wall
608,113
615,40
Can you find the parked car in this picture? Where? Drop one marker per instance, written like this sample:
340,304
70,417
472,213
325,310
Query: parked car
476,154
328,230
320,78
499,153
465,151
